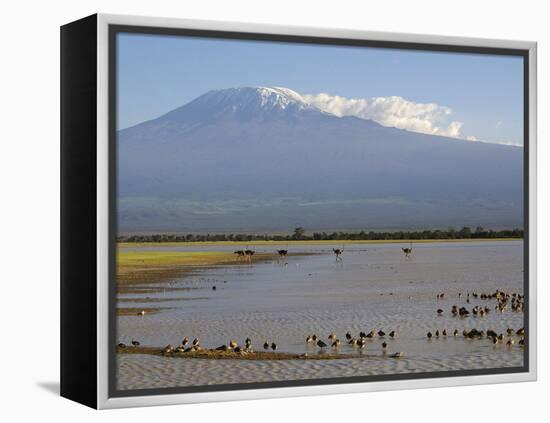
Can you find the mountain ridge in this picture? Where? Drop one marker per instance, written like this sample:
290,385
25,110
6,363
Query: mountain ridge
255,158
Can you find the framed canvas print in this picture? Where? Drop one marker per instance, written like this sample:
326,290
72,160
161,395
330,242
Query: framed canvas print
254,211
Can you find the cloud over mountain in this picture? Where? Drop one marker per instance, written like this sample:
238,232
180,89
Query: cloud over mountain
266,159
396,111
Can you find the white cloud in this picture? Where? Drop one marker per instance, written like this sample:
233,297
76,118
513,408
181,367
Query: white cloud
427,118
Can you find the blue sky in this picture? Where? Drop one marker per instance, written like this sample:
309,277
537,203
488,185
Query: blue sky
484,93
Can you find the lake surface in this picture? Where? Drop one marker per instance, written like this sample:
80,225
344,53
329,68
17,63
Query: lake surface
374,287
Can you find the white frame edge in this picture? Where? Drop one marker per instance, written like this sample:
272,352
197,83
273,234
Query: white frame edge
103,400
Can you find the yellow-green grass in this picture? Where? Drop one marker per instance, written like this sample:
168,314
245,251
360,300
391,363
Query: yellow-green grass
171,258
141,267
240,244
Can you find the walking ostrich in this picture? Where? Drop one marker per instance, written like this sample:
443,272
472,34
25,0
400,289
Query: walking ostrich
408,251
249,253
283,253
338,252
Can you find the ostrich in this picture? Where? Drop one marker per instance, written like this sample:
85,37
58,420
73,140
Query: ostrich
249,253
338,252
283,253
408,251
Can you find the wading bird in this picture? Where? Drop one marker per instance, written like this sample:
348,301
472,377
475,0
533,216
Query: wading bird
249,253
338,252
408,251
283,253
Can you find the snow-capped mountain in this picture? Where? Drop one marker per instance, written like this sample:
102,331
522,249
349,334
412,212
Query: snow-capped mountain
263,159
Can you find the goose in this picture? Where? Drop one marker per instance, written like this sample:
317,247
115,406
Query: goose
352,341
361,343
121,345
196,342
510,342
348,336
455,333
232,344
437,333
381,333
168,349
444,333
510,331
429,335
384,347
135,343
273,346
248,343
491,333
336,343
321,344
521,342
439,311
266,345
332,336
393,334
520,332
309,339
185,341
222,348
397,354
180,349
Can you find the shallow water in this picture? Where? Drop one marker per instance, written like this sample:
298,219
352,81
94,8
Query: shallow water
373,287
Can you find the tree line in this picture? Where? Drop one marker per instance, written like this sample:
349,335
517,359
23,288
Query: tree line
300,234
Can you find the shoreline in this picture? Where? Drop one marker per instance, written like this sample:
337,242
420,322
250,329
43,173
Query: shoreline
134,268
212,354
308,242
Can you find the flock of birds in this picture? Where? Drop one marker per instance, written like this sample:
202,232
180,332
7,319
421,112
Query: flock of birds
359,341
233,346
504,301
247,253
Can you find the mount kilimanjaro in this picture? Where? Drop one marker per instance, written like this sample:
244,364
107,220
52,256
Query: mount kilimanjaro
263,159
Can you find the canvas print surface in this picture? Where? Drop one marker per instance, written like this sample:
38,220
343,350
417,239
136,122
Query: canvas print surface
293,212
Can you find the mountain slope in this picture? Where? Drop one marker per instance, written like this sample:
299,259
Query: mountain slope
263,159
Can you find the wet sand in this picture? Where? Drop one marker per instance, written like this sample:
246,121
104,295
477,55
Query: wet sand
372,289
